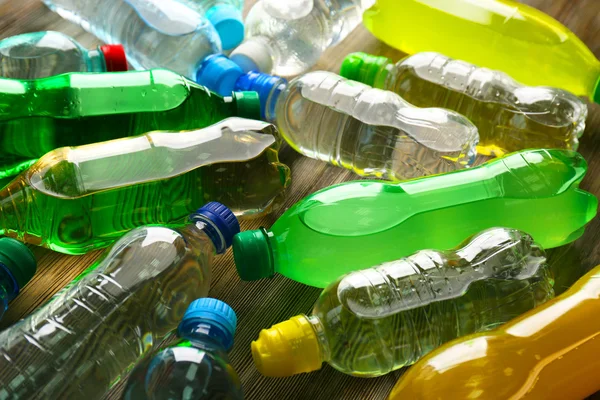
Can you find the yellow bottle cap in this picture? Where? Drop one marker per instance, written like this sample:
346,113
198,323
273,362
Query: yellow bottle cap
288,348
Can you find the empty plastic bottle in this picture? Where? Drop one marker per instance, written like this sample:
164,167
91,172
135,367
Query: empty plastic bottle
42,54
551,352
508,115
504,35
377,320
225,16
288,37
41,115
17,267
91,333
356,225
155,33
197,366
77,199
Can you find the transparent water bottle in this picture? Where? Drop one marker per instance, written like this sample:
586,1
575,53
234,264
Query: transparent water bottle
155,33
86,337
288,37
508,115
17,267
197,366
377,320
41,54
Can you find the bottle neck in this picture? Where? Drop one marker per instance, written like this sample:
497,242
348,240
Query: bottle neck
319,329
96,62
199,234
201,336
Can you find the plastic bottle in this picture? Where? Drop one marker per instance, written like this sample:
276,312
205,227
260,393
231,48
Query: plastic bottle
78,199
17,267
508,115
505,35
74,109
41,54
196,367
288,37
87,336
356,225
550,352
377,320
155,33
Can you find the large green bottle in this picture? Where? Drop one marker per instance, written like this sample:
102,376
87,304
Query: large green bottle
355,225
38,116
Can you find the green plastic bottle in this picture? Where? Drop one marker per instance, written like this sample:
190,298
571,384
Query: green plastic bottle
356,225
38,116
520,40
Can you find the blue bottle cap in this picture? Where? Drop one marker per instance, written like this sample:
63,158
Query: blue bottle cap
214,313
228,23
219,74
221,224
268,87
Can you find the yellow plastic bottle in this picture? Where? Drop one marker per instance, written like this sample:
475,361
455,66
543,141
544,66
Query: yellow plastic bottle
520,40
551,352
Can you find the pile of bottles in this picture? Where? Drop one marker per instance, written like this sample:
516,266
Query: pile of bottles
444,264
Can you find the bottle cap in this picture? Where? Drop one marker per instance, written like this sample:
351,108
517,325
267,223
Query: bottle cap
252,254
363,67
288,348
114,57
215,313
228,23
18,260
219,74
253,55
268,87
247,104
221,224
596,95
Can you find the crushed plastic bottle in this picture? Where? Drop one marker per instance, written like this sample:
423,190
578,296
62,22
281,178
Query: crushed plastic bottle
17,267
377,320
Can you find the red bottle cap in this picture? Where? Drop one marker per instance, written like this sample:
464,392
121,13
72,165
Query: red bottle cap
114,57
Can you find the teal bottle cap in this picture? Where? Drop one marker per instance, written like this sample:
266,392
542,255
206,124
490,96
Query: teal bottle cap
215,314
363,67
252,255
228,23
18,259
247,104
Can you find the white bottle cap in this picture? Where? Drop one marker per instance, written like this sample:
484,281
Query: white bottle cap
253,55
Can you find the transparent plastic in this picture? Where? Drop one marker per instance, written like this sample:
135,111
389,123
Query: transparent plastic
75,200
155,33
42,54
288,37
371,322
372,132
508,115
87,336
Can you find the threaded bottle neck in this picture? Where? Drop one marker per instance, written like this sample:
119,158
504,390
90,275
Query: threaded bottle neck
95,61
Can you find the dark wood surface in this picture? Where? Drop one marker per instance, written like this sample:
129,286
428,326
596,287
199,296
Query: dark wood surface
263,303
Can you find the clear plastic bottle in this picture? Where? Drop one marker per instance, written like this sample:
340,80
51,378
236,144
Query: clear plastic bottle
288,37
17,267
155,33
508,115
86,337
77,199
374,321
41,54
373,132
197,366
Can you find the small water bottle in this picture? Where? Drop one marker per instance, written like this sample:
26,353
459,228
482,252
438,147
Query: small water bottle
87,336
196,367
225,16
155,33
41,54
288,37
17,267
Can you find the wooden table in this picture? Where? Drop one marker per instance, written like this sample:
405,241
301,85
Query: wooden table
263,303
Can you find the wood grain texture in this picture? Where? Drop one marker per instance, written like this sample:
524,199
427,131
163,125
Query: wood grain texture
263,303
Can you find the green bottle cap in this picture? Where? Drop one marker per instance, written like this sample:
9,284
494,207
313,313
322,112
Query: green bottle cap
363,67
247,104
18,259
596,95
252,254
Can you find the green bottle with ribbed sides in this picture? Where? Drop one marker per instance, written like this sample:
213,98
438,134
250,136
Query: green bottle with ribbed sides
355,225
38,116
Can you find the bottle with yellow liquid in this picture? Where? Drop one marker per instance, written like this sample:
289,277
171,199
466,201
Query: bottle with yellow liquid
508,115
520,40
551,352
